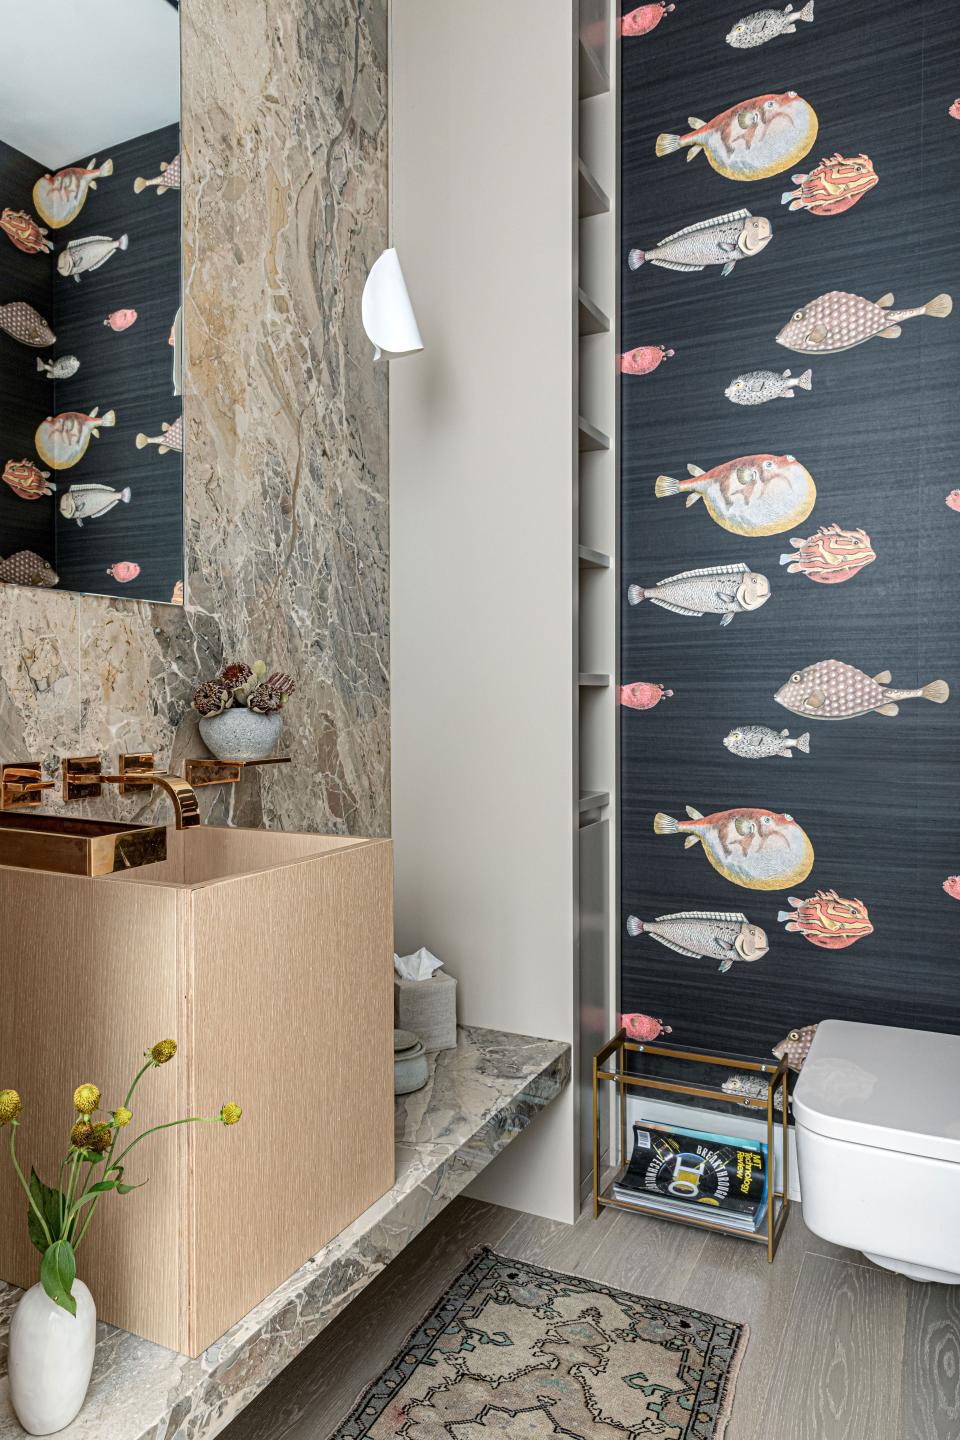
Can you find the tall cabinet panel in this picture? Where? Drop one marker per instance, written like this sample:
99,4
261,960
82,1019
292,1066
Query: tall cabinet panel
493,580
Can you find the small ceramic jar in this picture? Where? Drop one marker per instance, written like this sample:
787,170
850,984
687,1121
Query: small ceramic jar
411,1069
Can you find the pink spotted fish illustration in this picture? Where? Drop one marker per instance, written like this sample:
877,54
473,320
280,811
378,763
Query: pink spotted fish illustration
645,18
839,321
168,179
642,695
171,437
643,360
831,690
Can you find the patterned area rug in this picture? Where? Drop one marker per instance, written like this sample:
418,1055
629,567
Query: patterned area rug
514,1350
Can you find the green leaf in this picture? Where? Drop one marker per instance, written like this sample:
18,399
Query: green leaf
58,1270
125,1189
47,1202
101,1187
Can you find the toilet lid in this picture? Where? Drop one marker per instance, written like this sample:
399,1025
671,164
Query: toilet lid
879,1085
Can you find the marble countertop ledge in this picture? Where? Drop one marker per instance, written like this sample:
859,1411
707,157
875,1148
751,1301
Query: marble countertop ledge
478,1098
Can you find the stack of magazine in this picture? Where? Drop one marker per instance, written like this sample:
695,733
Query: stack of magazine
713,1178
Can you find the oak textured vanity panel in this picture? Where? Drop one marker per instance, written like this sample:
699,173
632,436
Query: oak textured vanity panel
269,958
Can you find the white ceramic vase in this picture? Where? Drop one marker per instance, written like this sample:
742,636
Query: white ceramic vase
241,734
51,1358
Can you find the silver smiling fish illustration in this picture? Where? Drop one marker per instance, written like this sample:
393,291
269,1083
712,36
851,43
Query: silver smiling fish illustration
81,257
759,386
725,590
89,502
750,495
21,322
708,934
723,240
839,321
60,369
759,742
751,1091
764,25
831,690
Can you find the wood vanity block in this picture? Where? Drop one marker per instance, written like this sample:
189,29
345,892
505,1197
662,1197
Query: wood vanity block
268,958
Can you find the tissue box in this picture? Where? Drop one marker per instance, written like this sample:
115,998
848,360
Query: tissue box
428,1008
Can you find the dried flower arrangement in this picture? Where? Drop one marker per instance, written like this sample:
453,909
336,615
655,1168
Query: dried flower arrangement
241,684
58,1219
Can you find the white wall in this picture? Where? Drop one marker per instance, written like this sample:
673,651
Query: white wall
482,448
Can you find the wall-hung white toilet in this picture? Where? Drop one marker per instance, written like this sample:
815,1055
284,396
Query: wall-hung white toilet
877,1113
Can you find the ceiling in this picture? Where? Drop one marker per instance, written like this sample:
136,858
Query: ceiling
79,77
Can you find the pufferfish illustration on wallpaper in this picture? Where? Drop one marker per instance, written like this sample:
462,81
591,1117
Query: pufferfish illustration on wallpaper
751,495
758,849
751,140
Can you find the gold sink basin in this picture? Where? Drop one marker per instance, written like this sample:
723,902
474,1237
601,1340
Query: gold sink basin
78,847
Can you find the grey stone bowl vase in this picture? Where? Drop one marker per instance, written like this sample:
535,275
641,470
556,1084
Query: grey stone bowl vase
241,734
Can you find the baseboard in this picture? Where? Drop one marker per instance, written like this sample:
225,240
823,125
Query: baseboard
667,1112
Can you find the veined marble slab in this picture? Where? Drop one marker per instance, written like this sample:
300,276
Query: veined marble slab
479,1097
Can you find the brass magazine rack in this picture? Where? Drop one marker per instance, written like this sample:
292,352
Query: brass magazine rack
778,1204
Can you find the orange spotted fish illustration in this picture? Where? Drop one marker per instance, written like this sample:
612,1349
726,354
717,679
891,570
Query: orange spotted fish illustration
827,920
758,849
830,556
753,139
59,198
751,495
24,232
26,480
835,185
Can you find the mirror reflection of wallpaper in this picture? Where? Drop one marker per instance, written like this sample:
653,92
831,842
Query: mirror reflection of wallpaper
97,415
790,838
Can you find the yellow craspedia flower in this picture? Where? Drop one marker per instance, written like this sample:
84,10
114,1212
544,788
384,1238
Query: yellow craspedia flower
163,1051
10,1106
101,1138
122,1116
80,1134
86,1099
230,1114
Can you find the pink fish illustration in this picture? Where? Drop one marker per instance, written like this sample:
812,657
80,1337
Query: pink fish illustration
121,320
955,110
643,360
644,19
952,886
644,1027
642,696
124,571
953,500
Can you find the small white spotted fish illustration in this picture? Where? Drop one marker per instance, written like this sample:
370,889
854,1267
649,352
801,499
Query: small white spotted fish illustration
839,321
764,25
759,386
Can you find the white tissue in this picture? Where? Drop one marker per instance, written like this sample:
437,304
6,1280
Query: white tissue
419,966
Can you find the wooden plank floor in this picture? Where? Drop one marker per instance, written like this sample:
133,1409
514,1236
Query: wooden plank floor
838,1349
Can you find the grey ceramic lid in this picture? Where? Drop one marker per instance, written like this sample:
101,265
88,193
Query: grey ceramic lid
404,1040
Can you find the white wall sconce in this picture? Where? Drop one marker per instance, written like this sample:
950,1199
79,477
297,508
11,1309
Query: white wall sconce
386,310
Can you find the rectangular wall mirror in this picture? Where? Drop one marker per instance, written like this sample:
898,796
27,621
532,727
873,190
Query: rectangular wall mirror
91,418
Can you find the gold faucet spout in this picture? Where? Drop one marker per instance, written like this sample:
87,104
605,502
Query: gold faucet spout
184,797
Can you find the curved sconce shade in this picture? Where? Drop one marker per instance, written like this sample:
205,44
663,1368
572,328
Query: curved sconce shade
386,310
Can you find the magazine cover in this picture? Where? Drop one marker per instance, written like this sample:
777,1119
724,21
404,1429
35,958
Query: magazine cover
674,1169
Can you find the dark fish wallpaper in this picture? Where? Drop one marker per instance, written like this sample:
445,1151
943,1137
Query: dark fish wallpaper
106,432
24,276
790,730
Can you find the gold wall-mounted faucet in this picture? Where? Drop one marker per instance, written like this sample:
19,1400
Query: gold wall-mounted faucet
83,779
20,785
204,772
